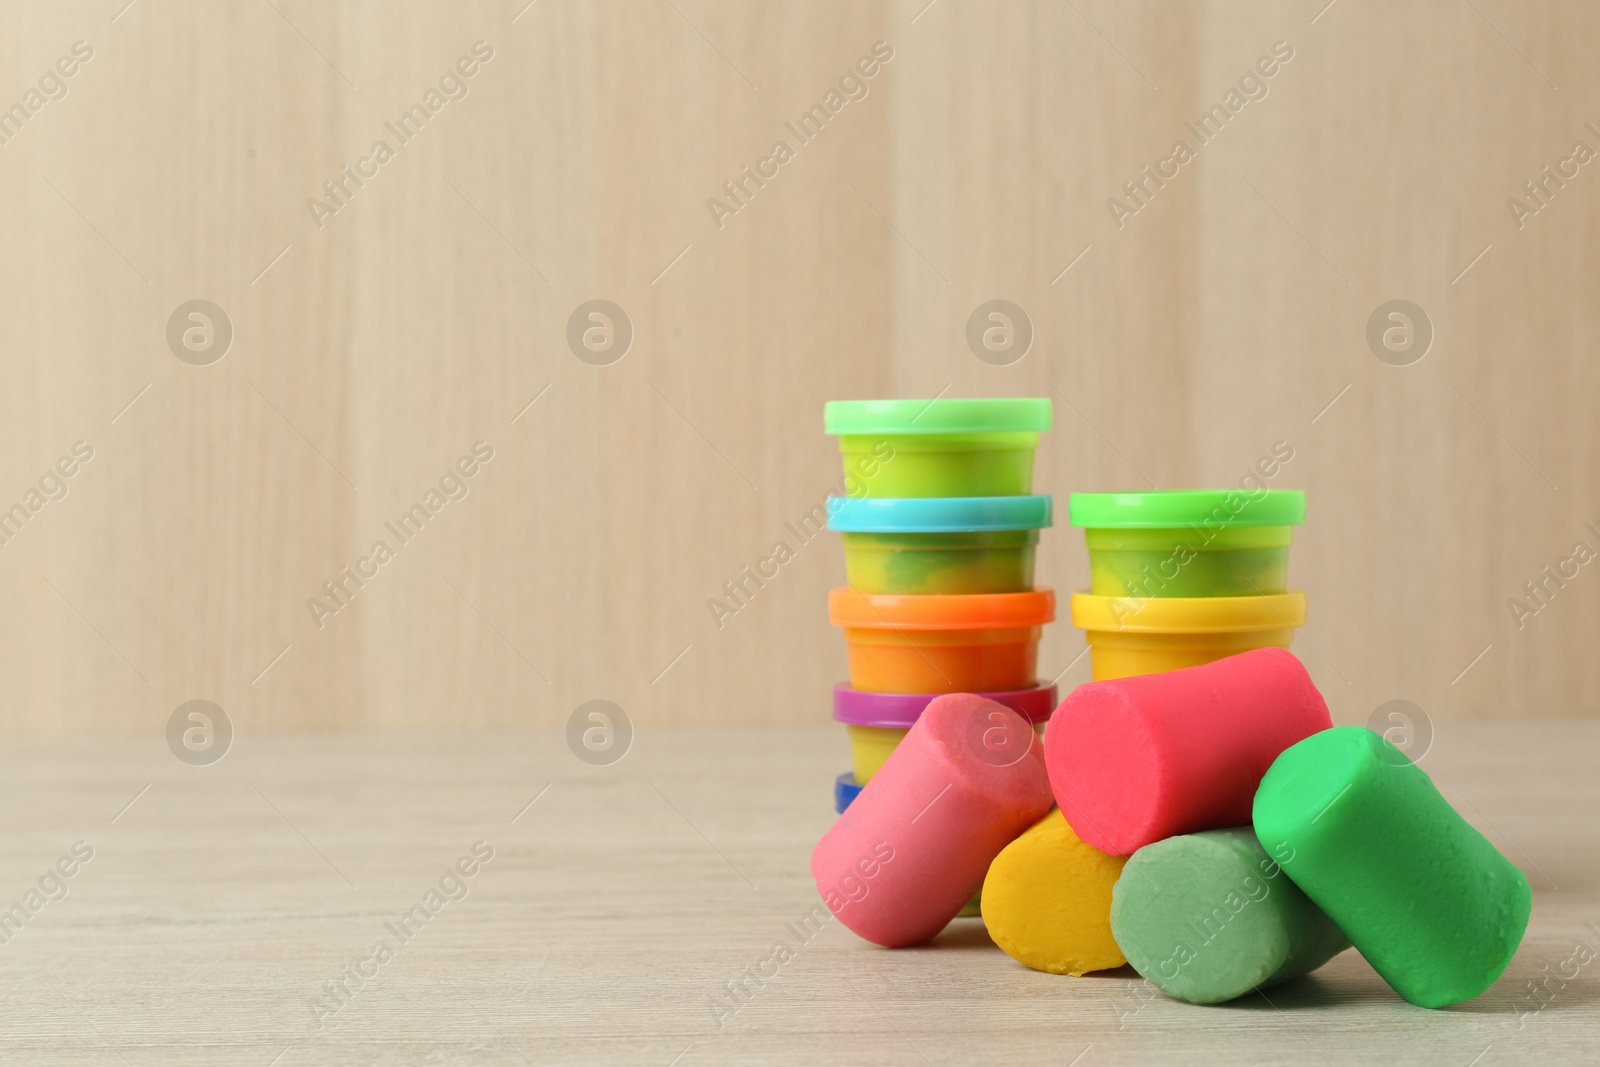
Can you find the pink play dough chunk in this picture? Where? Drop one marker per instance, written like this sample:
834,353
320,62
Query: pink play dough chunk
910,851
1134,760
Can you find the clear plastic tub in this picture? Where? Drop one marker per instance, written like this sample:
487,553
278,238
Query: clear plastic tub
969,643
871,745
1189,542
1128,636
942,661
939,448
901,710
940,545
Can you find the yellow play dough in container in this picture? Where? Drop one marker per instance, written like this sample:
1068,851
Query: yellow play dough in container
1132,635
871,745
1047,900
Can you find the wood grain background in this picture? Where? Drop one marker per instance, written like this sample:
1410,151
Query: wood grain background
372,351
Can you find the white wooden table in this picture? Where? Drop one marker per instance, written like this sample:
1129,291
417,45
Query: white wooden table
220,904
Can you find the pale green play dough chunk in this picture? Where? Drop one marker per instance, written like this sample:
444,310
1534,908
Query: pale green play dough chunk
1208,917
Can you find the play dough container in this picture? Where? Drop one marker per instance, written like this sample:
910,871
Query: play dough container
941,661
1188,542
900,710
968,643
845,789
869,747
875,722
1129,636
938,448
933,545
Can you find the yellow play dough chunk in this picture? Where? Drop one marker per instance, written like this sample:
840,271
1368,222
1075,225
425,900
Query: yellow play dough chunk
1047,900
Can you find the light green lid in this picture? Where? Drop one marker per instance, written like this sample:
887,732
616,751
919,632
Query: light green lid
939,415
1161,508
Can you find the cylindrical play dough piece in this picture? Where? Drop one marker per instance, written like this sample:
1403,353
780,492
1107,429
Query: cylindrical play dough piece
1208,917
1134,760
1047,900
1430,903
914,845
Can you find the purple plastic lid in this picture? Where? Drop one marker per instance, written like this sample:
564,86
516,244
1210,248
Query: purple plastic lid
898,711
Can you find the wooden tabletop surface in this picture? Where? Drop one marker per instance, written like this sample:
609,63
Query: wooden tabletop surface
210,911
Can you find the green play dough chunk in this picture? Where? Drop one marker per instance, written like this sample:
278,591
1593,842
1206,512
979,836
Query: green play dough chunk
1430,903
1209,917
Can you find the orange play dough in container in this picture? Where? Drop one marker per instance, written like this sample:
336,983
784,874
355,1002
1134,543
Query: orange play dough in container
1047,900
958,643
942,661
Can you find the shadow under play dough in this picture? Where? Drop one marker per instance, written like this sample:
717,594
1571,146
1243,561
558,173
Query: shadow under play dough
1430,903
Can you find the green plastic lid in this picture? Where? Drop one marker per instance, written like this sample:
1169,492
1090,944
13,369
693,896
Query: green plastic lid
940,415
1161,508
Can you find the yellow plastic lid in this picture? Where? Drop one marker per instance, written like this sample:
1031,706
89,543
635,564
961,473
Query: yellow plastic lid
1176,615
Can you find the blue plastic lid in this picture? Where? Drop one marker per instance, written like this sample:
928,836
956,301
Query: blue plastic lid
844,791
937,514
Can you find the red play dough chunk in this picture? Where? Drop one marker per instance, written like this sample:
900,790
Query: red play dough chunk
914,846
1135,760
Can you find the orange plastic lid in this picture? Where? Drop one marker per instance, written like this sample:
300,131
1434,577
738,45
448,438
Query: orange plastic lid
949,611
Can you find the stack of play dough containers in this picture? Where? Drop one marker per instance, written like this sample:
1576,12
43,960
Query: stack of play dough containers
1178,578
939,535
1192,811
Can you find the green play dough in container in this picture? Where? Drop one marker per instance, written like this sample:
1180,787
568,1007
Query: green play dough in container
1430,903
998,561
927,546
1188,542
1237,561
1208,917
944,447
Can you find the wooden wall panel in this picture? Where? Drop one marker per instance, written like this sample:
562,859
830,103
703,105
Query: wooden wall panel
372,350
